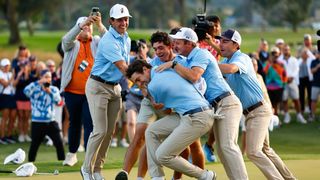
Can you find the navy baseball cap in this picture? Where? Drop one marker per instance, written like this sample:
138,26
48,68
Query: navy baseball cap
232,35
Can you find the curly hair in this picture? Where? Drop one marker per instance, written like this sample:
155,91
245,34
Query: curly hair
160,37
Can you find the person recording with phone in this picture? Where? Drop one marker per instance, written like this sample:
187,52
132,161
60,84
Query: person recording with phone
79,46
43,97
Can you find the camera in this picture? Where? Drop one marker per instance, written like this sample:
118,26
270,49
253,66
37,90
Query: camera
201,26
46,84
94,11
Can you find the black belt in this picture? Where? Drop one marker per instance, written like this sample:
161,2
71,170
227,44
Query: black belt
196,110
219,98
253,107
97,78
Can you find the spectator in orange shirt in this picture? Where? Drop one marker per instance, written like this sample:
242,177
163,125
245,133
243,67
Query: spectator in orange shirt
79,46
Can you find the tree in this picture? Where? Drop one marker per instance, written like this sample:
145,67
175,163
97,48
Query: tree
296,11
264,7
16,11
8,8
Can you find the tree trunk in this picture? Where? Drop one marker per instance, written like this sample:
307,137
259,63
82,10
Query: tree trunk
295,27
30,27
182,11
12,19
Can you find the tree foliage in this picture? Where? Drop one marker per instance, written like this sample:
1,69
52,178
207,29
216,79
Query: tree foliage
30,11
296,11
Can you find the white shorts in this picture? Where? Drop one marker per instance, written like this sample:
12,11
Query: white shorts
291,90
315,91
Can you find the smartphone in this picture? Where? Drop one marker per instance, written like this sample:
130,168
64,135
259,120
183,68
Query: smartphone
94,11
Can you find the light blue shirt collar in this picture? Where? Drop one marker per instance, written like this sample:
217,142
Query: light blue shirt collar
116,34
192,53
235,54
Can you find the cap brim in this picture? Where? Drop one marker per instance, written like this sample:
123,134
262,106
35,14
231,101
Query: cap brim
173,36
118,17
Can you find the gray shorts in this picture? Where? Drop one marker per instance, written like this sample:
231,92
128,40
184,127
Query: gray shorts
315,91
133,102
292,91
147,113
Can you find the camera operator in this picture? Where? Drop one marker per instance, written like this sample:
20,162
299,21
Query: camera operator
206,32
79,46
207,40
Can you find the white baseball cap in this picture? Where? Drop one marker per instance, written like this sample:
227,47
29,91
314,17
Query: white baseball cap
5,62
275,49
279,41
119,11
81,19
232,35
17,157
26,170
307,36
186,34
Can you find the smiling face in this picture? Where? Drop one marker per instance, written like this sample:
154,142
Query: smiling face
164,52
120,25
141,79
183,47
228,47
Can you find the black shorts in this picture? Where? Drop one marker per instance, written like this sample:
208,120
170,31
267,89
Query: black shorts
275,96
7,101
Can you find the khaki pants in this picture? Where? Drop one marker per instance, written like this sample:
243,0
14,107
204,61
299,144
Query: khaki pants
169,136
258,147
226,134
104,103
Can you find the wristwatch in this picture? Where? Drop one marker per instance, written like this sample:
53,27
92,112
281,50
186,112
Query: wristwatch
174,63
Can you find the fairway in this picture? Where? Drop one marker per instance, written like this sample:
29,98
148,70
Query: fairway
302,169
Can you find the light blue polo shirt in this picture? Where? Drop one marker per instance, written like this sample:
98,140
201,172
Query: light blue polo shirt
244,83
216,85
156,61
174,92
112,48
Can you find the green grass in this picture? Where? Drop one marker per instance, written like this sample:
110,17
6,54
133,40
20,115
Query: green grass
292,142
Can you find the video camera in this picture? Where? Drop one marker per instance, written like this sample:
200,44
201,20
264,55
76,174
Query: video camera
201,25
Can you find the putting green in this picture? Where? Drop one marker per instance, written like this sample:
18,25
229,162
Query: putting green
302,169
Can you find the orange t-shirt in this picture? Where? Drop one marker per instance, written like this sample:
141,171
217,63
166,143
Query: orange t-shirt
82,69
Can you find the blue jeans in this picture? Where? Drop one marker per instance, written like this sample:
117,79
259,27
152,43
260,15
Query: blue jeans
78,108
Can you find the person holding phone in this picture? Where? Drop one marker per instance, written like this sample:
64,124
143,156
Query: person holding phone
43,97
79,46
